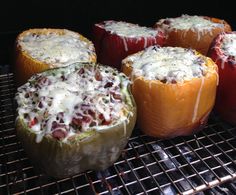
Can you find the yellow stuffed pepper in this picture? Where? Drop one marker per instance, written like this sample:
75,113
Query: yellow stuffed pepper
40,49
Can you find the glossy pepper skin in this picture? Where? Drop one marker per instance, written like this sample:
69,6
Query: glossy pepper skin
89,150
226,93
111,48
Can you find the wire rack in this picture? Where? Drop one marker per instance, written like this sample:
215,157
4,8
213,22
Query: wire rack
204,163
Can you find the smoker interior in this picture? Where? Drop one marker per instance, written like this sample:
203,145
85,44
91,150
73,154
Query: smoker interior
204,163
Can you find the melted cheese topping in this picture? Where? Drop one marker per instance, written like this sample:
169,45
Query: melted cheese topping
186,22
129,30
57,50
73,100
167,64
228,45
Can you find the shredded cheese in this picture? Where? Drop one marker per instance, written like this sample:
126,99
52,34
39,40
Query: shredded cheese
72,100
186,22
55,49
129,30
228,45
167,64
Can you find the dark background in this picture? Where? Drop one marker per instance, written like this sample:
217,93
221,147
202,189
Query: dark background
77,15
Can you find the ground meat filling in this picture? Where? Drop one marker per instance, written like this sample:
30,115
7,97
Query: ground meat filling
70,101
168,64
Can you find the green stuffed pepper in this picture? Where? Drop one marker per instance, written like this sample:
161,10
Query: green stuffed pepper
75,118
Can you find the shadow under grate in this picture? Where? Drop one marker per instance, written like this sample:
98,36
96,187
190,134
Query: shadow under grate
204,163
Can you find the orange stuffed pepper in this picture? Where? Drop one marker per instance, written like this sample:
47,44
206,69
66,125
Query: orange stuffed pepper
195,32
174,89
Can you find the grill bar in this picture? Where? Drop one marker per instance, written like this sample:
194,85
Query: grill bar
205,162
146,167
166,172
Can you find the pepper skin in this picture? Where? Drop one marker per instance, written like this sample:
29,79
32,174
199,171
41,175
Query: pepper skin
226,93
90,150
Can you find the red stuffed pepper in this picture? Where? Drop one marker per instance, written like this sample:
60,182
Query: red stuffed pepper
223,52
115,40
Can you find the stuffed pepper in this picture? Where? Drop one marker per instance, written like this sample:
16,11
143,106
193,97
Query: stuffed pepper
174,89
75,118
196,32
223,52
115,40
37,50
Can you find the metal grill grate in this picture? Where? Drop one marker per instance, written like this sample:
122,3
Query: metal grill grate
184,165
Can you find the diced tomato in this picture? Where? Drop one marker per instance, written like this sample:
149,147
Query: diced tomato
33,122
